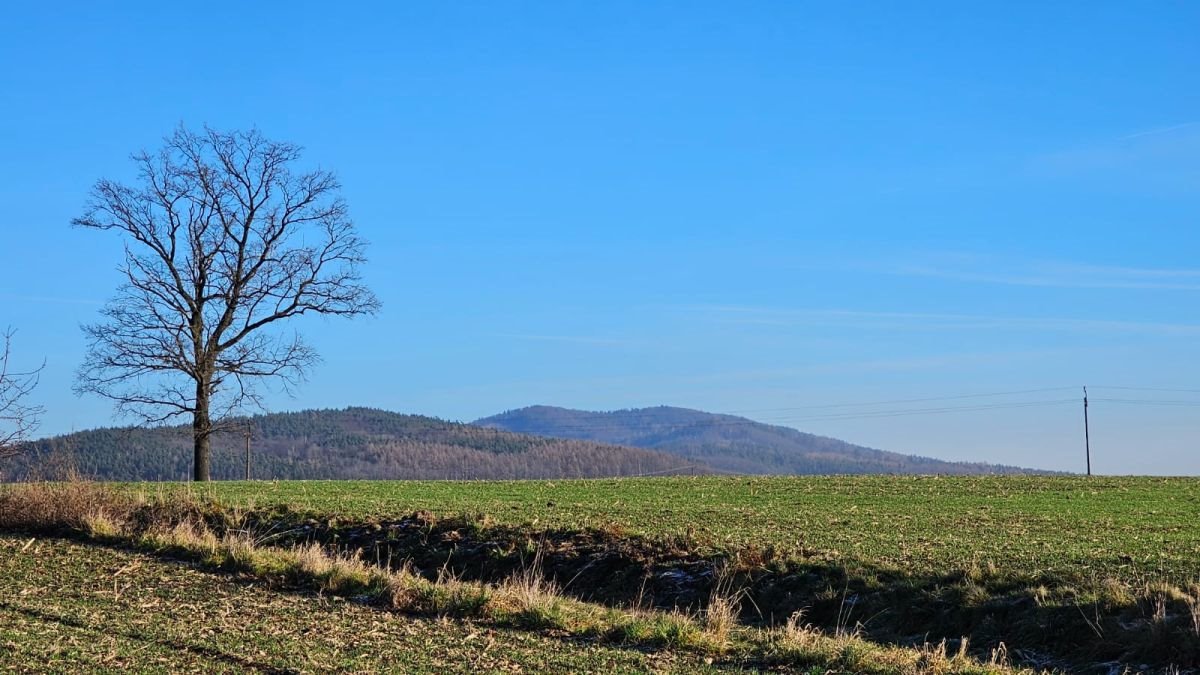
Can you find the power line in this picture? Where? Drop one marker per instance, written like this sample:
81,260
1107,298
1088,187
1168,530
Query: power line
620,420
932,411
1147,401
1087,440
672,470
907,400
1183,391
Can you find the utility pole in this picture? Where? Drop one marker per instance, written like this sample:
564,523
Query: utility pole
1087,443
246,433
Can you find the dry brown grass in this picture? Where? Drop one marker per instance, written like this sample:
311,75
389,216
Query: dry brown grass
186,535
1193,606
724,606
796,632
531,598
56,507
100,525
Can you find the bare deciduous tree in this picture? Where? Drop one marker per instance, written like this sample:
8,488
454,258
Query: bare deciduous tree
18,419
224,241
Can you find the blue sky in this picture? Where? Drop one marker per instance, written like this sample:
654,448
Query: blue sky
753,207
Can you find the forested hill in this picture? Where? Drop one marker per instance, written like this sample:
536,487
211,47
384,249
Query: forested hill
725,442
339,444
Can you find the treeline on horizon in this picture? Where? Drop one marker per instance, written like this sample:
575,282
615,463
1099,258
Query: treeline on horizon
355,443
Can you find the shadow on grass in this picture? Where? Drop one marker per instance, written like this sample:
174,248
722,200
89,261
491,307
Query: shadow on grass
1044,620
1048,620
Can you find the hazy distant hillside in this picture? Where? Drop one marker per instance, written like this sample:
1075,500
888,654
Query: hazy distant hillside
339,444
724,442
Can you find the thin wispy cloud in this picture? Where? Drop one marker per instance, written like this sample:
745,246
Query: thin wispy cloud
860,319
882,365
991,269
1162,151
48,300
571,339
1057,275
1162,130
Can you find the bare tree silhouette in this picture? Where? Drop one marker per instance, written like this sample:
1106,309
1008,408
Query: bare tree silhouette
18,418
224,242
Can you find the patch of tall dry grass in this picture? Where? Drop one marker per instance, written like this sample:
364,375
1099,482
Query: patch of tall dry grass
68,506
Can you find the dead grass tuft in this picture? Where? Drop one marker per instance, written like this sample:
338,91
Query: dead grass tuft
533,600
240,551
185,536
797,634
312,560
1193,608
101,526
724,606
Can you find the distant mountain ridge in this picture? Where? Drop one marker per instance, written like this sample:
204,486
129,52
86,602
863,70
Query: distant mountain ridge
354,443
725,442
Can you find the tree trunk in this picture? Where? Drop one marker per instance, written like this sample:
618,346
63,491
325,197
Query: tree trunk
201,433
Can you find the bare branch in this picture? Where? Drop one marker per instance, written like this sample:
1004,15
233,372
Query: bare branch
18,418
224,240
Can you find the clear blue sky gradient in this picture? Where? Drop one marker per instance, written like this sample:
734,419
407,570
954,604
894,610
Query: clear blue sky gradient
749,207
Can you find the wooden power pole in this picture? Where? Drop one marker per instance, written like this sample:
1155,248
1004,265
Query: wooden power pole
246,433
1087,443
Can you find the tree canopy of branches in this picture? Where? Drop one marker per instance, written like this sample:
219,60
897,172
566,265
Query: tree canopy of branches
18,418
225,241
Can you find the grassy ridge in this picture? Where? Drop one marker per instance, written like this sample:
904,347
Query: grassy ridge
1132,529
75,608
1068,572
164,615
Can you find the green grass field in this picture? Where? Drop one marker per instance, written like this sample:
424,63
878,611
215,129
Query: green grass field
72,608
1070,572
1132,529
